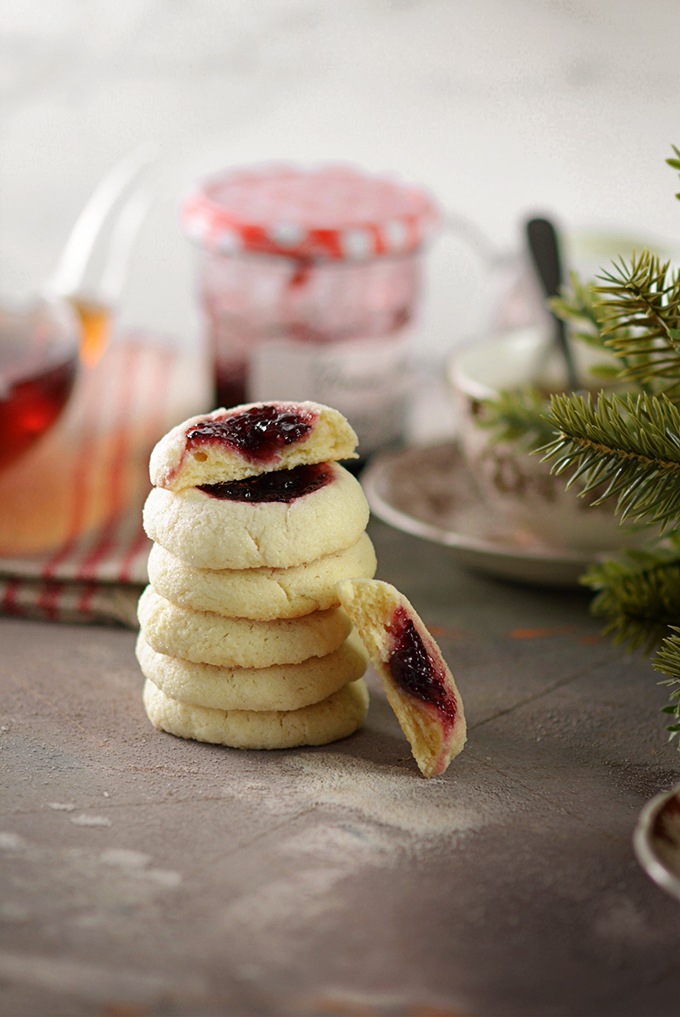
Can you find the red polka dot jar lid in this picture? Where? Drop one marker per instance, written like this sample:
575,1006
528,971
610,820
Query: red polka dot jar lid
332,212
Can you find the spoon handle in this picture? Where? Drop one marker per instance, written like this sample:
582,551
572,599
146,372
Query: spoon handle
545,254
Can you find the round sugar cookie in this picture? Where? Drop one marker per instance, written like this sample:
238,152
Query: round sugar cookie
246,440
213,533
280,687
261,594
207,638
338,716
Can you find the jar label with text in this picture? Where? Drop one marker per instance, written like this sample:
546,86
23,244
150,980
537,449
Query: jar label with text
366,380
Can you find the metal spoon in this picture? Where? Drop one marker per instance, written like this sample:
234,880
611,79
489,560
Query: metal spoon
545,255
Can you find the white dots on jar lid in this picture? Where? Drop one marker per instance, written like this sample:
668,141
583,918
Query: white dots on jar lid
396,233
287,234
357,244
229,242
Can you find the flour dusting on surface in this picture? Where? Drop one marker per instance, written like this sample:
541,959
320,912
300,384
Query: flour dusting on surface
84,820
11,841
386,795
298,899
135,864
123,858
342,817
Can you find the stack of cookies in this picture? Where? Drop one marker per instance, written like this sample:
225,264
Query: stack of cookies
242,640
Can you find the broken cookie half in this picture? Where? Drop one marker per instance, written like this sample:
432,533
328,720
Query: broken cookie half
419,686
230,445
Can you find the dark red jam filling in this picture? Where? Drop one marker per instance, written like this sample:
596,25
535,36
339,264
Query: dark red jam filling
412,668
280,485
258,434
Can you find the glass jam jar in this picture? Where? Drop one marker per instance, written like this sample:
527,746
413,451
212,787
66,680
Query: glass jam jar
309,282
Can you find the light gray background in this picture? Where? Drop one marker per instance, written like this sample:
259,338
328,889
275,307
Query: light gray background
500,107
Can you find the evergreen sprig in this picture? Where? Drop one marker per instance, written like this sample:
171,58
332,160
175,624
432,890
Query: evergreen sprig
675,163
577,305
668,662
641,318
518,416
639,594
630,445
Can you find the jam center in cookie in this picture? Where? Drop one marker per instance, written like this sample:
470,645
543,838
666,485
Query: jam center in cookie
258,434
413,670
280,485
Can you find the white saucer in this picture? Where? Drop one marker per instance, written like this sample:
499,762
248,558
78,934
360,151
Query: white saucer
657,840
430,493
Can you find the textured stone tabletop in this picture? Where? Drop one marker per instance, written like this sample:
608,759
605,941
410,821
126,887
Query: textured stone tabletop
146,875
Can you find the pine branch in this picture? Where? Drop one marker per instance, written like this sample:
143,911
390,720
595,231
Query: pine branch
580,308
639,594
629,445
675,163
667,661
641,318
518,416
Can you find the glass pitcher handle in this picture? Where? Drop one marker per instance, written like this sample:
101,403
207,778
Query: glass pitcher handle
507,295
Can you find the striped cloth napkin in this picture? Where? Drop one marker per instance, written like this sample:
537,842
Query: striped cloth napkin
72,546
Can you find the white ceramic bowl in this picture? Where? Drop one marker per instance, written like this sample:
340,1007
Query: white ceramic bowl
518,485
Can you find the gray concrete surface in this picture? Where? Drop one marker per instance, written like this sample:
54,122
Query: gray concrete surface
146,875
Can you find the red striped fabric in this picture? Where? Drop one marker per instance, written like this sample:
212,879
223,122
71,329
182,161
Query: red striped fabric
140,389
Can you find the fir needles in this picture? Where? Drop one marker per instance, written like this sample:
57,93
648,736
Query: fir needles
630,446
